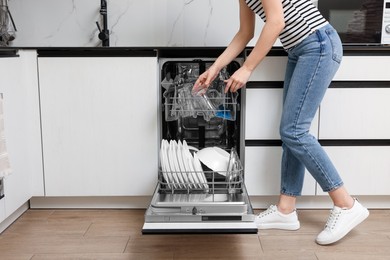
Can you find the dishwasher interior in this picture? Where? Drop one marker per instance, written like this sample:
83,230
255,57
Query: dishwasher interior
200,186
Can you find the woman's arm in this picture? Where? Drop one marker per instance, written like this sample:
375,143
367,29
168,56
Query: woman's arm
274,25
239,42
242,37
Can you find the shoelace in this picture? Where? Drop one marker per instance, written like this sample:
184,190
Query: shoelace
270,210
333,218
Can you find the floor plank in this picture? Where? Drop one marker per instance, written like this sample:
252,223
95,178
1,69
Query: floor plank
116,234
36,243
118,256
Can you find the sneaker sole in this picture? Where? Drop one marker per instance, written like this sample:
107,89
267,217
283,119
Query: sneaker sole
359,219
282,226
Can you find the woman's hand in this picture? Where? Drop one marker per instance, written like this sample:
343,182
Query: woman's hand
238,79
205,79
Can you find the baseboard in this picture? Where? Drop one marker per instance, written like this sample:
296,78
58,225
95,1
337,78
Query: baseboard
321,202
120,202
14,216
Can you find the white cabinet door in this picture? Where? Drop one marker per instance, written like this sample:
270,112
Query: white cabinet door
263,110
362,68
352,68
355,113
272,68
365,170
262,172
99,125
19,86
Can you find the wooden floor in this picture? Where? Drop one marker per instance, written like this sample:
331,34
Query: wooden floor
116,234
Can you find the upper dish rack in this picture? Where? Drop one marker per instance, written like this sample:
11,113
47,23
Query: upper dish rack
213,102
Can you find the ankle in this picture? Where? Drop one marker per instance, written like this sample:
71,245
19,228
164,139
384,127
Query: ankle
341,198
346,204
285,209
286,204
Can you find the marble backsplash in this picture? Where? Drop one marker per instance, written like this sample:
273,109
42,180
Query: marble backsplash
134,23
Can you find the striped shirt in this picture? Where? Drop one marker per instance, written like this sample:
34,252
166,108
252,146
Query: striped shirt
301,18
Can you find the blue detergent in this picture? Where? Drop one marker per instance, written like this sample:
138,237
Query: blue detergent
222,112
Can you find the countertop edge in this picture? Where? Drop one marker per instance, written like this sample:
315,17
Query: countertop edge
171,52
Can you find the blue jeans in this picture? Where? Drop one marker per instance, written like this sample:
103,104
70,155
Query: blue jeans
311,67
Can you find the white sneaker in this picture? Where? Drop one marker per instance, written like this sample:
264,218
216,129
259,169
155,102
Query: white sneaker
340,222
273,219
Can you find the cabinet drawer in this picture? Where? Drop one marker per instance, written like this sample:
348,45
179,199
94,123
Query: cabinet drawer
263,111
365,170
355,68
262,172
361,68
361,113
270,69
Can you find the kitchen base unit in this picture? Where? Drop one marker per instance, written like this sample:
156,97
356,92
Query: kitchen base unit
192,195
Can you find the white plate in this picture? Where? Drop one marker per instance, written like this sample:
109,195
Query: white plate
167,166
162,162
177,165
189,165
184,170
172,164
199,171
231,172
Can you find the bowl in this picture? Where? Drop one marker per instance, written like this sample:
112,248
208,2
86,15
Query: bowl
215,158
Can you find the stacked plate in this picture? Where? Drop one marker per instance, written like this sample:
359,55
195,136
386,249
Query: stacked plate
181,169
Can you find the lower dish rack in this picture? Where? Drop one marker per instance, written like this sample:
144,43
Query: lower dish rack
221,196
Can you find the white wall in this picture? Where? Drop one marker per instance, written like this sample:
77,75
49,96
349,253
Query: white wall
71,23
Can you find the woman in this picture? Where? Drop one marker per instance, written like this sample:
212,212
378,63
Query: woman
314,55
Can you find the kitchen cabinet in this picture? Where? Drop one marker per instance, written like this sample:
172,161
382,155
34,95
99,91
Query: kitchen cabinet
356,113
354,125
262,172
364,68
262,163
352,68
19,86
272,68
356,105
99,125
263,112
365,169
359,116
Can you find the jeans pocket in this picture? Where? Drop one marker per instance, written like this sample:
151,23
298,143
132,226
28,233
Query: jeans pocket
337,47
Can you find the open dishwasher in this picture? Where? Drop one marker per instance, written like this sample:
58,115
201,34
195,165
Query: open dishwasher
200,187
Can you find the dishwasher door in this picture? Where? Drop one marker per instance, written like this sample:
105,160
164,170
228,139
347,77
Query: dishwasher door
218,202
